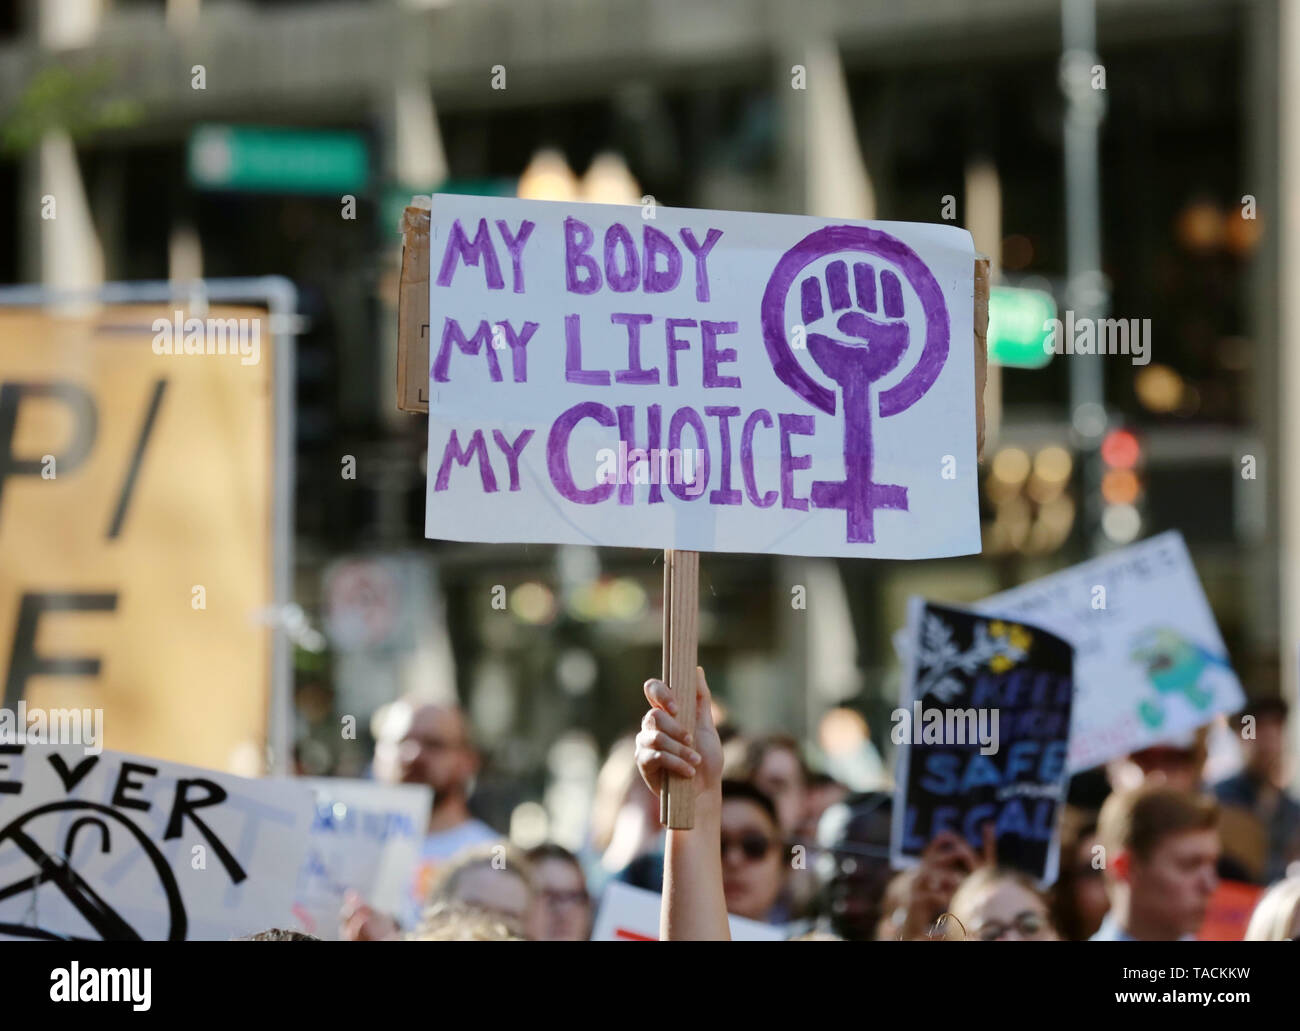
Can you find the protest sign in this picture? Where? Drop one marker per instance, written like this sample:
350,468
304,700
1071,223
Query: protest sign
983,727
117,847
699,380
137,493
1150,664
366,838
630,914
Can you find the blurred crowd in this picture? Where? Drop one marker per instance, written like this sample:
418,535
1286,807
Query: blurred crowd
1145,844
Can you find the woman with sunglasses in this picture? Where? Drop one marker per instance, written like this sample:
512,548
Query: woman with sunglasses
735,860
753,857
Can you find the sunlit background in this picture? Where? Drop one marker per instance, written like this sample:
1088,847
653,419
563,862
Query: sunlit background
191,139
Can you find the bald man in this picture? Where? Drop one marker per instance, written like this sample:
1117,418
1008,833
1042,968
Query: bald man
425,743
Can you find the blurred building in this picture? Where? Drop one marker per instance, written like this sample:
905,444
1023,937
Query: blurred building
856,108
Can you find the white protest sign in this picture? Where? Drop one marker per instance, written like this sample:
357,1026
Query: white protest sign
701,380
630,914
365,837
118,847
1150,664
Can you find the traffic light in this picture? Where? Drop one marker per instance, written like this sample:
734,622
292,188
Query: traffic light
1122,488
1019,332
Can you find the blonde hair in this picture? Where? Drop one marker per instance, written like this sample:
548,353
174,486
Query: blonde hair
1275,914
983,879
500,856
450,922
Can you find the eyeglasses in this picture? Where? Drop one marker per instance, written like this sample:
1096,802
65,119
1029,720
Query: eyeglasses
752,846
1027,924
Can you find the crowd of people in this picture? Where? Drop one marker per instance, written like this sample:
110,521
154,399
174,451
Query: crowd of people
779,843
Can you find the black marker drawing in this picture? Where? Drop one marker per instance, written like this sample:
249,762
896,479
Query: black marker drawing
57,870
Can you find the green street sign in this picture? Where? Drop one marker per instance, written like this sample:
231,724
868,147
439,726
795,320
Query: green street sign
1017,333
269,160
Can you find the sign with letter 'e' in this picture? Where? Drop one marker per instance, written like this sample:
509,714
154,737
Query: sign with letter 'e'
702,380
135,524
112,847
983,732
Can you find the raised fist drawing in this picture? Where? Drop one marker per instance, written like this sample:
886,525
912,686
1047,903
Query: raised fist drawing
856,335
862,347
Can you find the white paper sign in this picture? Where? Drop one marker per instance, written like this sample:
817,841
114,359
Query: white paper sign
630,914
1150,664
706,380
119,847
366,838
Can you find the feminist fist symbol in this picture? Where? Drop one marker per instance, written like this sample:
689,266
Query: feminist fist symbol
862,350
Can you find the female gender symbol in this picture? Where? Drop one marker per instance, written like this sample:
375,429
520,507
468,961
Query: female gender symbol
863,351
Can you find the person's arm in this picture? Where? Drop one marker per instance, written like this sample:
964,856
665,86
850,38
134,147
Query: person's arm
694,907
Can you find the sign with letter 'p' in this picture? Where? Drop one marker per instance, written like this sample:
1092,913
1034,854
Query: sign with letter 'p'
700,380
136,513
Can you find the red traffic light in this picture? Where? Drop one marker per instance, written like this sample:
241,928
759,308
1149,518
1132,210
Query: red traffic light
1120,449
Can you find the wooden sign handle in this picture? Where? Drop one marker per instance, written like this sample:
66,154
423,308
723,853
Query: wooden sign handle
681,645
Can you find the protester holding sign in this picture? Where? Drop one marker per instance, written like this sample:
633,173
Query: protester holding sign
918,898
696,897
694,901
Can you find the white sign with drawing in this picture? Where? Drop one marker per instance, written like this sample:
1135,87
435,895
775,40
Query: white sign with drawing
1150,664
116,847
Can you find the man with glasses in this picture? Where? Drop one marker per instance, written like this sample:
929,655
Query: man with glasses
424,743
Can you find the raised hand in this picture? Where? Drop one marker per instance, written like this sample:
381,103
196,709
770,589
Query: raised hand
663,746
